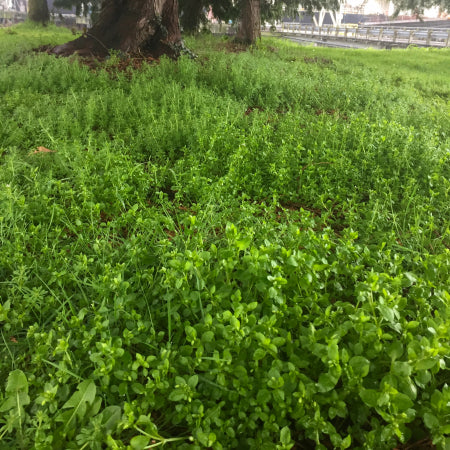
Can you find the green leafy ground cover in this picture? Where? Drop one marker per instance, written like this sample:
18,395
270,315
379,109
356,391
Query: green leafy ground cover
246,250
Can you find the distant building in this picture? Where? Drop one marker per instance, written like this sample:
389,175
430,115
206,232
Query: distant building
14,5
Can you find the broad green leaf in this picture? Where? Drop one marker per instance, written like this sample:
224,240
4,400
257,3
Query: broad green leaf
401,401
263,396
411,278
193,381
208,336
332,412
291,261
387,313
80,401
387,433
346,442
4,310
437,400
446,443
211,439
251,306
395,350
401,368
16,395
278,395
138,388
431,421
111,417
278,341
411,325
422,378
242,244
85,393
17,382
370,397
326,382
259,354
407,386
426,363
179,381
285,435
336,440
333,352
95,407
16,391
273,293
139,442
191,333
202,437
177,395
360,366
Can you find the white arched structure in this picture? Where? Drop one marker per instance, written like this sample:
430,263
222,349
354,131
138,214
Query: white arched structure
364,7
354,7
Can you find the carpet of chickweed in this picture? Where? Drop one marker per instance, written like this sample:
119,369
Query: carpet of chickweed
245,250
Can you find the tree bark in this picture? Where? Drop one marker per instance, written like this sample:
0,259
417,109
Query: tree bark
38,11
147,27
250,26
191,15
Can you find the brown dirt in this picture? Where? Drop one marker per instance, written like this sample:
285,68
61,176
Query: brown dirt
128,63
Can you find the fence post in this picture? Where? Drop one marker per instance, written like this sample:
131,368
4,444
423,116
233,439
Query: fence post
429,37
447,42
345,33
411,34
380,35
394,38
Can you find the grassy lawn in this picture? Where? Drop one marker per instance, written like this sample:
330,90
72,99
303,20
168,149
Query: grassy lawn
247,250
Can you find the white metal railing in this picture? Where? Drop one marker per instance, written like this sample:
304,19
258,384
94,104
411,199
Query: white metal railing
222,28
394,35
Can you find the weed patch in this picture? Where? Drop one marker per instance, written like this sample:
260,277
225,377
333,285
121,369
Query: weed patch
245,250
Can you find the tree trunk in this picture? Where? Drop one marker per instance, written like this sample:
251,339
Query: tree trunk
38,11
147,27
250,27
191,15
